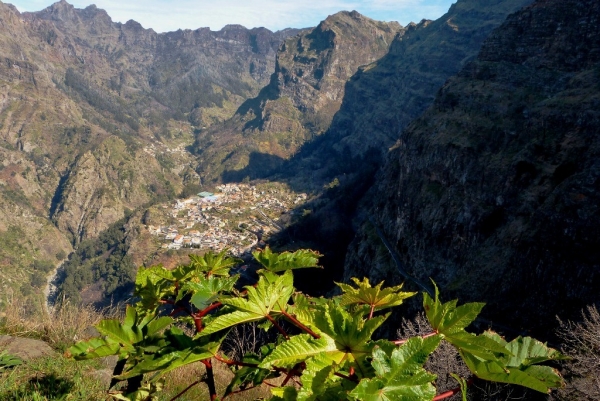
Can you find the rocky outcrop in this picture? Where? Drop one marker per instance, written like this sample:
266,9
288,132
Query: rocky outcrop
304,93
25,348
493,192
382,98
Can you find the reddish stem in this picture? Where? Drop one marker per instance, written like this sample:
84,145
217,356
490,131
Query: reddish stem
281,330
400,342
209,309
297,323
198,316
450,393
210,379
371,312
185,390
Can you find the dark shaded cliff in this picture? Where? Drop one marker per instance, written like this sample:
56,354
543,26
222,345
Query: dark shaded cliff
384,96
494,191
379,101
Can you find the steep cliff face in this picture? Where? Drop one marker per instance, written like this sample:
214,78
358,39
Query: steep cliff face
493,192
304,93
95,117
384,96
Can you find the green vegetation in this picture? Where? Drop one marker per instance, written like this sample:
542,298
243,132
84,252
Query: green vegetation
103,260
184,315
51,378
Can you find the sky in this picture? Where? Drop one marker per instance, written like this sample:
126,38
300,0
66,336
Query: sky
170,15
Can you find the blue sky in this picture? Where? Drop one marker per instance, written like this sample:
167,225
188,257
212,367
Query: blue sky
169,15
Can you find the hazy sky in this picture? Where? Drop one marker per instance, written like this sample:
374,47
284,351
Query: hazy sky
169,15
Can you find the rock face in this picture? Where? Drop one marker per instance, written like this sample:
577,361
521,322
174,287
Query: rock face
494,191
25,348
383,97
304,93
95,116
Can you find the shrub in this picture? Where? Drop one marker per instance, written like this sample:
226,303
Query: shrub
327,345
582,342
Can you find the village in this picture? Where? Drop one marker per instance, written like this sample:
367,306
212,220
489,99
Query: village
236,217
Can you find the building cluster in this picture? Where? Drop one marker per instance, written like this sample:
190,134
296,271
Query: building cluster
236,217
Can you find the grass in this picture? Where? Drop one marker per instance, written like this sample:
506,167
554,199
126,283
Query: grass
52,378
60,327
59,378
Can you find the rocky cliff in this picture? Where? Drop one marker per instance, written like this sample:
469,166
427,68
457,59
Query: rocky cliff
382,98
95,117
493,192
304,93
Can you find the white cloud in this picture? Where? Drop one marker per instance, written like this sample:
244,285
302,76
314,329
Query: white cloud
165,15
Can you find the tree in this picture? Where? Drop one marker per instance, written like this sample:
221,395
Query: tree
329,349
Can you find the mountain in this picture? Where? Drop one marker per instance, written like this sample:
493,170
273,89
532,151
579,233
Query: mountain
382,98
95,118
300,100
493,192
379,101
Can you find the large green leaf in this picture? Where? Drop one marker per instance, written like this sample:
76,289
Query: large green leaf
447,318
400,375
519,366
376,297
343,337
278,262
212,263
207,290
265,300
93,348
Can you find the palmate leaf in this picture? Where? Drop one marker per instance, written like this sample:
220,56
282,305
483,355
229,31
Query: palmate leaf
320,383
278,262
447,318
93,348
400,375
343,337
212,263
207,290
375,297
520,366
177,349
266,299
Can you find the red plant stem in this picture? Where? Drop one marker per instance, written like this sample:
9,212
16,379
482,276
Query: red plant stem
185,390
343,376
235,363
210,379
287,378
450,393
297,323
198,316
281,330
198,324
166,301
209,309
400,342
371,312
